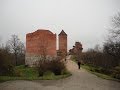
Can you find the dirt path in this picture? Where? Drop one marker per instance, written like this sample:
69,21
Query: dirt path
80,80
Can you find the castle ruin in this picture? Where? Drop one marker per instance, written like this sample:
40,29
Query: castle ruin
43,43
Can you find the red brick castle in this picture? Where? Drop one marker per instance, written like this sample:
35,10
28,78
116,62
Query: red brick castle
43,43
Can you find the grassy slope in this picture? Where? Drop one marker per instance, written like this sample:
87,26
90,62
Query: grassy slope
27,73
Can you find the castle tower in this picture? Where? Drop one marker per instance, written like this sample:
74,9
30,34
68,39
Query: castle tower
63,43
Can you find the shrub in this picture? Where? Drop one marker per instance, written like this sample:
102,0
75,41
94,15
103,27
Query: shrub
6,63
116,72
56,66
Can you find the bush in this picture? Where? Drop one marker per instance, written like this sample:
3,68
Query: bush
100,59
116,72
6,63
56,66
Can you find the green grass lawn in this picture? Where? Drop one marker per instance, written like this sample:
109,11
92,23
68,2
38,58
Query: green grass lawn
28,73
91,69
101,75
23,71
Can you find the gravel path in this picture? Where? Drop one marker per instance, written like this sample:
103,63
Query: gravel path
80,80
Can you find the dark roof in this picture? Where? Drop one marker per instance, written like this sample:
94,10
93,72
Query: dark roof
62,33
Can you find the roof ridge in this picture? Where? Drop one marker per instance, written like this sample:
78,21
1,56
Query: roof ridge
62,33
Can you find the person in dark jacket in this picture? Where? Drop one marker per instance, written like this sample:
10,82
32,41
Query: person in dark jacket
79,63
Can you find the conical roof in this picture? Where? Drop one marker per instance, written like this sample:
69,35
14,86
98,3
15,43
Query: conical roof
62,33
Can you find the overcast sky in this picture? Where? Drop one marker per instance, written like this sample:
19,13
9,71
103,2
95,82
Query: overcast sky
86,21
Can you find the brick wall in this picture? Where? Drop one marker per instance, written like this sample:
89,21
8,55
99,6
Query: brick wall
40,42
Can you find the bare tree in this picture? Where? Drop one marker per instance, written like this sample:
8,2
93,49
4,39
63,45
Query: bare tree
112,45
6,61
112,49
16,47
115,30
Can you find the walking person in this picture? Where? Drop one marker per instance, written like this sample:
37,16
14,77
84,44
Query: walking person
79,63
65,59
